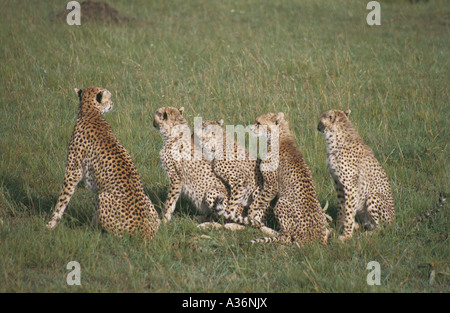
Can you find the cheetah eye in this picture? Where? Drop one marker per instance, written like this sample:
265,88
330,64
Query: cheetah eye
258,123
331,117
165,116
99,97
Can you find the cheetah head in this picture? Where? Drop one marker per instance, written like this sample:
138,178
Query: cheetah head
95,97
168,120
269,125
210,137
330,120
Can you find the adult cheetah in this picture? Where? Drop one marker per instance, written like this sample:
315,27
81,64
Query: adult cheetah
362,186
97,156
286,175
190,173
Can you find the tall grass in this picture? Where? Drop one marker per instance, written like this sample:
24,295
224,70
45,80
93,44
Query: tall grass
232,61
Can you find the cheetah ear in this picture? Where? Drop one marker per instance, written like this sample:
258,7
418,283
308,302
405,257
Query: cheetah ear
181,110
78,91
220,122
348,112
280,118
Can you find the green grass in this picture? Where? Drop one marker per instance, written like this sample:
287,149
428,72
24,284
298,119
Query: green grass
232,60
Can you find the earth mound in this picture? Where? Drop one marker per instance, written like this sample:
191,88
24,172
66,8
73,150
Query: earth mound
96,11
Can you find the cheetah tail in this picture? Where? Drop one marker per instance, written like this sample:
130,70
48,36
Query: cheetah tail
439,205
240,219
283,239
265,240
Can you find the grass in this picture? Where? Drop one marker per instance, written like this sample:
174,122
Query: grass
231,60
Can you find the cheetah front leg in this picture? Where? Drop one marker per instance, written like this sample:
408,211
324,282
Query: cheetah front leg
340,218
236,196
172,198
219,203
256,212
71,180
258,208
349,214
234,208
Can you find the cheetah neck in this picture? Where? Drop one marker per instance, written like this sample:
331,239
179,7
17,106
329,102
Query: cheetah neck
172,141
287,144
340,138
86,110
180,146
93,117
334,142
170,137
280,152
232,150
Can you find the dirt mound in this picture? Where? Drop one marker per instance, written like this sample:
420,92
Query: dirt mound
96,11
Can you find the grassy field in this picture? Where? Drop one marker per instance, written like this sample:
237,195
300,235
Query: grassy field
232,60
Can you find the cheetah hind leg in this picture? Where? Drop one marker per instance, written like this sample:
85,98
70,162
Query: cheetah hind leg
372,216
107,213
95,218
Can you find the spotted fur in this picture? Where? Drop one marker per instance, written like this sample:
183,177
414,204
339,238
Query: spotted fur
96,156
190,173
236,167
362,186
286,176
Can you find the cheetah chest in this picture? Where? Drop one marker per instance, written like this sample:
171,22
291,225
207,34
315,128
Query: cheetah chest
194,187
333,165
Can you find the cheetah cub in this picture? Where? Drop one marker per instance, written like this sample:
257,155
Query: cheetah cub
286,175
236,166
190,173
362,187
97,156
